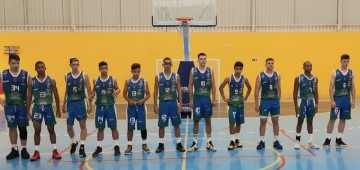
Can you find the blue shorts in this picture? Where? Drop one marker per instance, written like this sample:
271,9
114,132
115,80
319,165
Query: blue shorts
306,109
271,106
46,112
168,109
105,114
75,110
136,114
343,108
16,116
236,115
202,107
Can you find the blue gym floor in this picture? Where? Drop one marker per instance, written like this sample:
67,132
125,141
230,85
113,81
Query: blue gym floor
245,158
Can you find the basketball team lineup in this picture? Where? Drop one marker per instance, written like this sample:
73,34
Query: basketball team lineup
32,98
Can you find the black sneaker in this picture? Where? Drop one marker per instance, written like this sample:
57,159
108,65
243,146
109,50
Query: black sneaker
97,152
231,145
180,148
73,147
25,154
13,154
82,151
261,145
160,148
117,150
277,145
145,148
238,144
339,142
327,143
128,150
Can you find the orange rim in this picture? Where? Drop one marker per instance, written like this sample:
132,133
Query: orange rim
184,20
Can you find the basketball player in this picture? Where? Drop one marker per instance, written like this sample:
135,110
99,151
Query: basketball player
76,105
136,92
342,86
203,82
306,89
235,102
167,89
269,83
106,90
42,89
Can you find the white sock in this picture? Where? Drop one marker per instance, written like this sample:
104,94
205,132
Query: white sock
276,138
328,136
298,134
339,135
162,140
311,136
143,141
130,143
208,138
82,142
116,142
178,140
73,140
195,138
37,147
233,137
15,147
262,138
54,146
237,135
99,143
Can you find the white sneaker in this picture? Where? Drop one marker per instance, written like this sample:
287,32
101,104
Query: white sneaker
210,147
313,145
193,147
297,144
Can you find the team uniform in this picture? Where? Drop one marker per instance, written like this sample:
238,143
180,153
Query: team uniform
343,86
270,102
201,99
105,103
168,105
136,113
307,89
15,89
76,103
236,102
43,100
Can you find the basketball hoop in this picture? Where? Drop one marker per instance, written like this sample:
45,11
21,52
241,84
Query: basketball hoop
184,20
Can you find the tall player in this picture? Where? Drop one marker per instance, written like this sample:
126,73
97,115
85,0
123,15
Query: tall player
76,104
136,92
106,90
15,83
167,89
306,89
235,102
342,86
203,82
43,89
269,84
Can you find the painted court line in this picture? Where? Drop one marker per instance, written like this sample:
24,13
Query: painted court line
68,148
183,167
177,158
